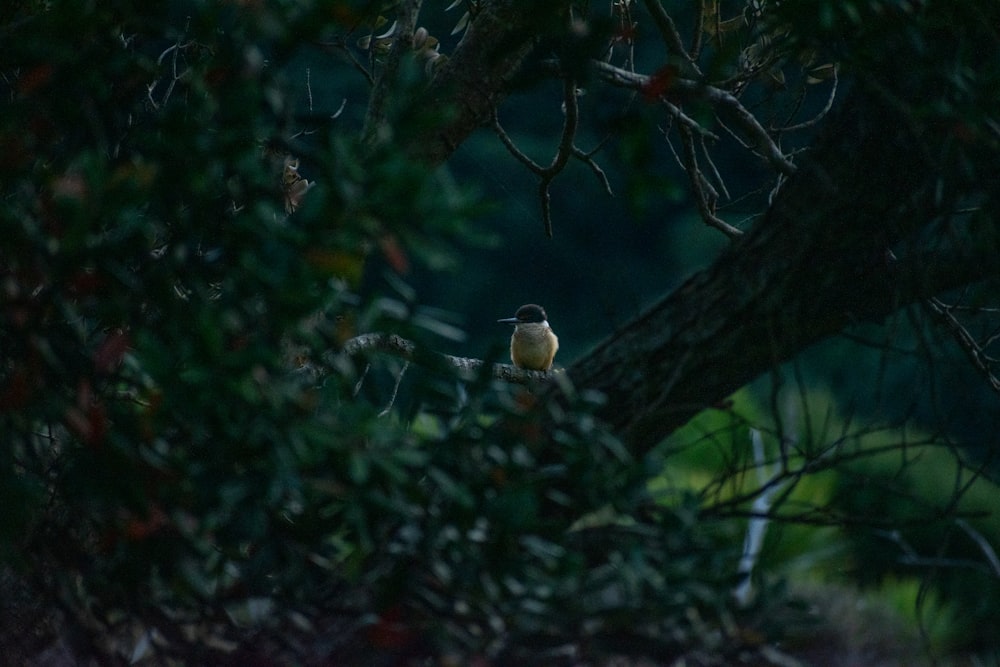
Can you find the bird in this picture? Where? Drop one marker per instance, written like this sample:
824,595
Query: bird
534,344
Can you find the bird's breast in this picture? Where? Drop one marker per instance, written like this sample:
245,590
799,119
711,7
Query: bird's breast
533,346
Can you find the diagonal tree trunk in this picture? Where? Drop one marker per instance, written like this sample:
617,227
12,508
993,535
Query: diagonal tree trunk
820,260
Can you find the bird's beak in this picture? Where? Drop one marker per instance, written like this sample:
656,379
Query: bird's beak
509,320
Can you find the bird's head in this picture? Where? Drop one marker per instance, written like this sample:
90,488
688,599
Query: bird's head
527,314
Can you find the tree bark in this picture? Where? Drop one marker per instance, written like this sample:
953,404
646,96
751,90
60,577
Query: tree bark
477,76
822,258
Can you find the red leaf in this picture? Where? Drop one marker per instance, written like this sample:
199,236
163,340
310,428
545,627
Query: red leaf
88,418
85,282
35,78
137,529
394,254
659,83
390,631
111,351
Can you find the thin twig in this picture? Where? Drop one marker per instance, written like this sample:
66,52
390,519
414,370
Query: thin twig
699,31
174,50
626,29
760,141
572,118
309,90
669,33
984,545
395,389
512,147
545,197
588,159
715,170
564,152
361,380
694,125
965,340
355,63
819,116
705,200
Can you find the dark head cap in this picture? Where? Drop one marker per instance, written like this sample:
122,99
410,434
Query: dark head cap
525,314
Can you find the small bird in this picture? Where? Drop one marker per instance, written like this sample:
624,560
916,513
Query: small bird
534,344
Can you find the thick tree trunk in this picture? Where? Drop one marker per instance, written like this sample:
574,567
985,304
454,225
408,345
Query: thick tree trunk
823,257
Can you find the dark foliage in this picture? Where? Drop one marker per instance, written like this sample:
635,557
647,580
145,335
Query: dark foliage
186,462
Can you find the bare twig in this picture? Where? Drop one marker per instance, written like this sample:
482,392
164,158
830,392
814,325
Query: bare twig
715,170
174,51
822,113
941,312
512,147
342,47
699,31
572,120
566,147
724,102
395,389
309,90
564,152
361,380
984,545
622,78
588,159
705,198
762,143
626,32
686,120
669,33
545,197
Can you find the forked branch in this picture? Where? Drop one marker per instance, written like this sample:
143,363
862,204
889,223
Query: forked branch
564,152
972,349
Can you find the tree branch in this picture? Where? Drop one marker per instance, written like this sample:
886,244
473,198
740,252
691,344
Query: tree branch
465,367
669,34
965,340
817,263
723,101
566,150
705,201
588,159
822,112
